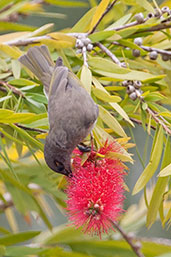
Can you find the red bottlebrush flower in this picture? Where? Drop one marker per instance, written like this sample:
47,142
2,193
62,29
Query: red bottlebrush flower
95,192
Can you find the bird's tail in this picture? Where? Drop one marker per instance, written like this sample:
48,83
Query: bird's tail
38,60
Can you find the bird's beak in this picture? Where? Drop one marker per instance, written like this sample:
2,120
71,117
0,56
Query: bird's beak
68,173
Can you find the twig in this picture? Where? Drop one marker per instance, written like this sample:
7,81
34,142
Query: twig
26,41
139,122
157,27
105,12
160,26
84,53
147,48
31,129
160,51
135,247
109,53
13,89
158,120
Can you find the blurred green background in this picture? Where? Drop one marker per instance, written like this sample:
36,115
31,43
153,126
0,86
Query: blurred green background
72,15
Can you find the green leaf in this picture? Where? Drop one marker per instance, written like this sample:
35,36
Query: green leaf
114,105
37,97
61,234
2,251
146,5
5,25
120,22
17,251
86,78
165,171
98,13
111,122
16,68
153,163
83,24
102,64
132,75
159,189
105,96
22,82
18,238
64,3
153,97
100,35
5,75
5,98
28,138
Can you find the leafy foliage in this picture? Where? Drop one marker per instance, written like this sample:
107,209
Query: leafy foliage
25,180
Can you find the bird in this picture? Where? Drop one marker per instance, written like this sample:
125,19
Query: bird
72,113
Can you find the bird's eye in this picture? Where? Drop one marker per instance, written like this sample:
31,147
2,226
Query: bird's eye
59,165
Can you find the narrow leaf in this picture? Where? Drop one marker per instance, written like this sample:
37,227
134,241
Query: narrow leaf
112,123
99,11
152,165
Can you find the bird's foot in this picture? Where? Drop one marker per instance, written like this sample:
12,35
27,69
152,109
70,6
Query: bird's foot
84,148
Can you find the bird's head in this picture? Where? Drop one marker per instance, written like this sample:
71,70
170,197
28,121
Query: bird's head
58,159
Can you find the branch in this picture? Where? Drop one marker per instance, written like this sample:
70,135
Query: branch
139,122
13,89
135,247
160,51
158,120
164,25
105,12
31,129
109,53
84,53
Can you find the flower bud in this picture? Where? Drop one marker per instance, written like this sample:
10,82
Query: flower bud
133,96
139,17
150,15
136,52
138,93
165,9
157,12
79,44
153,55
165,57
125,83
86,41
89,47
137,84
138,41
130,89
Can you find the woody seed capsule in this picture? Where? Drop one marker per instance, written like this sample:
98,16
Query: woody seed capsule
165,57
153,55
136,52
133,96
139,17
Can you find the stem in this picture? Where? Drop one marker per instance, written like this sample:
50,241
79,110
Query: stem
135,247
84,53
109,53
105,12
160,51
13,89
158,120
31,129
139,122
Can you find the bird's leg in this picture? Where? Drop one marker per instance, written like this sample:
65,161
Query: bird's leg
84,148
92,141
